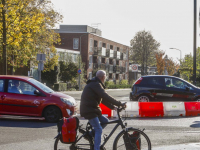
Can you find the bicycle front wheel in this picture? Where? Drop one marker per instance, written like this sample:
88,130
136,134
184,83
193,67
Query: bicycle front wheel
84,142
126,140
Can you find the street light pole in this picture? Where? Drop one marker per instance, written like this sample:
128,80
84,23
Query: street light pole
180,53
79,78
194,44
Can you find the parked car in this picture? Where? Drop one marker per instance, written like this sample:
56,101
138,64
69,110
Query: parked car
163,88
26,96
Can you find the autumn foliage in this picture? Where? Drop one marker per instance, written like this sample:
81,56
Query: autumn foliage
160,61
28,30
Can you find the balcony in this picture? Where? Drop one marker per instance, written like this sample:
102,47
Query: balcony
124,69
102,66
115,54
110,68
111,53
107,52
117,69
114,69
121,70
125,57
100,51
95,50
95,66
107,67
121,56
118,55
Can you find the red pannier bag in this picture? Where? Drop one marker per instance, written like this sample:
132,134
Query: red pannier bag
68,128
133,141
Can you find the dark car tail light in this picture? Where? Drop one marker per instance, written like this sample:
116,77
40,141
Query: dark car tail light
138,81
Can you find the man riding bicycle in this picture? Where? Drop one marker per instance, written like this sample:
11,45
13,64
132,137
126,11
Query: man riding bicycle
93,94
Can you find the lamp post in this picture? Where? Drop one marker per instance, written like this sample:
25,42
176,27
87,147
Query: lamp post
79,78
180,53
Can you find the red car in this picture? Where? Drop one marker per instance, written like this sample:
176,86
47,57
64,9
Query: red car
20,95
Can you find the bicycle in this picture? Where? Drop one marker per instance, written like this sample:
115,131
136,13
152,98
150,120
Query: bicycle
124,139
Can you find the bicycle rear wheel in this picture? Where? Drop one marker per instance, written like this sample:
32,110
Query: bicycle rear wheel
84,142
141,143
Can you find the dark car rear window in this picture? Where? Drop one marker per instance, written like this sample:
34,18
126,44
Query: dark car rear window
152,81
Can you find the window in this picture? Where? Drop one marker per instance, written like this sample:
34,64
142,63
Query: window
95,43
108,46
1,85
100,44
90,61
115,48
75,43
91,45
99,60
104,45
111,47
20,87
90,75
153,81
176,83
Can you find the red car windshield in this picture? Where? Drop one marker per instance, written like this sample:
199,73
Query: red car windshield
41,86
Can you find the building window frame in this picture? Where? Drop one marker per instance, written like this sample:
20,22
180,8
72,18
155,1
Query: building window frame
75,43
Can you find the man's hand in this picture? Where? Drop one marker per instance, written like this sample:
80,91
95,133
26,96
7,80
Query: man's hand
115,108
124,105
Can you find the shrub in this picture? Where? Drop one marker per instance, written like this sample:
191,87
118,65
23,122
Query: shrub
60,86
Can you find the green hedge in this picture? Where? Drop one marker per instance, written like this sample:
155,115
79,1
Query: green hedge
60,86
119,84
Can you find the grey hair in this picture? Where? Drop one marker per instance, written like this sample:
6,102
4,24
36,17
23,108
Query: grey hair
100,73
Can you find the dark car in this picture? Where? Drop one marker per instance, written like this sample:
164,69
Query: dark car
26,96
163,88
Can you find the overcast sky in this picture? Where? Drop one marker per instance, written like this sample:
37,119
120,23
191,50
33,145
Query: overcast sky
169,21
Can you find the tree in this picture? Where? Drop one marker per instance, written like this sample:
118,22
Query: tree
68,71
171,66
25,30
143,49
160,62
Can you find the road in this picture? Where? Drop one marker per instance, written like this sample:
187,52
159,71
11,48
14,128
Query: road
22,133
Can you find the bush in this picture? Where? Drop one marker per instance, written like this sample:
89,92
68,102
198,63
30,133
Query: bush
109,84
124,82
60,86
119,84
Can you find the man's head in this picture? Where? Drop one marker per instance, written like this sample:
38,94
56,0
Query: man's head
101,74
168,82
16,83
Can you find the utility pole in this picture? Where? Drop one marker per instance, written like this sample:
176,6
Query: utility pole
195,47
4,38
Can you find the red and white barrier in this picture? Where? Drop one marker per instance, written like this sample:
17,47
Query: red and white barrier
157,109
154,109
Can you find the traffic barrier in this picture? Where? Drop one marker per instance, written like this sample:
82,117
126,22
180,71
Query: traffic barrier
192,108
154,109
106,111
174,108
132,110
151,109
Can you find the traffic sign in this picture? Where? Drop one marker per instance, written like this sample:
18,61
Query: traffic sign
79,71
134,67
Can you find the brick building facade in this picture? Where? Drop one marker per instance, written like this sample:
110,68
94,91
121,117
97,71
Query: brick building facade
96,51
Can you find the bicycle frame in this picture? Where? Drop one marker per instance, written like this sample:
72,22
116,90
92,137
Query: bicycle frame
119,122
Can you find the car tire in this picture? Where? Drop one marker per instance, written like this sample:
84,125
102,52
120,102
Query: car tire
143,98
52,114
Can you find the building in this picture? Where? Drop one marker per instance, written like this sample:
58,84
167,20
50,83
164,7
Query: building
96,52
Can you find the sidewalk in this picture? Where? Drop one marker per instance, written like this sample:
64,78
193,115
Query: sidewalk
188,146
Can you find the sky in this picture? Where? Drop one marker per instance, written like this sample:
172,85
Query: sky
169,21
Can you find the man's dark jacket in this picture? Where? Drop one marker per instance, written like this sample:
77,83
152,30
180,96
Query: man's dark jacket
94,94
